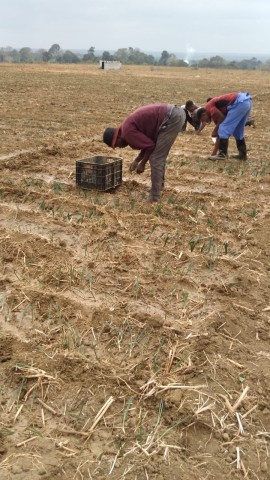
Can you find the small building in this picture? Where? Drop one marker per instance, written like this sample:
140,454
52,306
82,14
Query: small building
109,65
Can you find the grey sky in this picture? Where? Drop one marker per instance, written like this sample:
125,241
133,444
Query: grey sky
191,26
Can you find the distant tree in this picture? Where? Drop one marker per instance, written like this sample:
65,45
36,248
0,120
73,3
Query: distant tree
90,55
2,55
213,62
6,54
53,52
137,57
107,56
252,64
182,63
150,60
217,62
122,54
38,56
266,66
204,63
26,55
164,58
69,57
45,56
173,61
14,55
233,64
243,65
220,62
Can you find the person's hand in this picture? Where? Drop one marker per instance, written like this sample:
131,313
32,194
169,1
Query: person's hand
133,166
140,168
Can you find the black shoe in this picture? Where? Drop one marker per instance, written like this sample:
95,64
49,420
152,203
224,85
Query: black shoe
240,156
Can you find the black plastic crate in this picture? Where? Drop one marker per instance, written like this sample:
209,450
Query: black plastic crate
100,173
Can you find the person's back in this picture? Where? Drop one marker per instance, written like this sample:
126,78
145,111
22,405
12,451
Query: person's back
143,122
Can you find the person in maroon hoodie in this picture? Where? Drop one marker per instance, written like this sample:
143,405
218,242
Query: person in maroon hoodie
152,129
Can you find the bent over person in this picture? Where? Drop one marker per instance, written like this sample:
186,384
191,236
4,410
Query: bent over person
229,112
152,129
190,109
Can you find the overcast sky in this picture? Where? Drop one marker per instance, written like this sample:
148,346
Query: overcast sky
190,26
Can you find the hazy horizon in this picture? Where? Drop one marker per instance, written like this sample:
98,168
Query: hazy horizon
188,56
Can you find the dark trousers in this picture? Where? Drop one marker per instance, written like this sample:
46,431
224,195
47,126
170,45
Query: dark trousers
167,135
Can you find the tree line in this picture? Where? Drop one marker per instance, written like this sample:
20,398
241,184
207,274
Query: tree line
128,56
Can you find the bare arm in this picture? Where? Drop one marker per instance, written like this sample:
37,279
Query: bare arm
201,127
138,164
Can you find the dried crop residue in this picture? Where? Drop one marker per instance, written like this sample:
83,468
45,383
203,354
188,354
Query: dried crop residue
134,339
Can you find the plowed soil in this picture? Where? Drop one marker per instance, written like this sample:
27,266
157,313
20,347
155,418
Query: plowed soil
134,338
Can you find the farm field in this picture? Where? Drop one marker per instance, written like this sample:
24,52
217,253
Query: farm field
134,338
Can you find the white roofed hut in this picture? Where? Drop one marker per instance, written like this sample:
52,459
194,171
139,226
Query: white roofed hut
110,65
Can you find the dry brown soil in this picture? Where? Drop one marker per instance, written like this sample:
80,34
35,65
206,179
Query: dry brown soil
134,339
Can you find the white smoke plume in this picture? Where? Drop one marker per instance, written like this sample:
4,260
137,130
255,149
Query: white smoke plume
189,54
